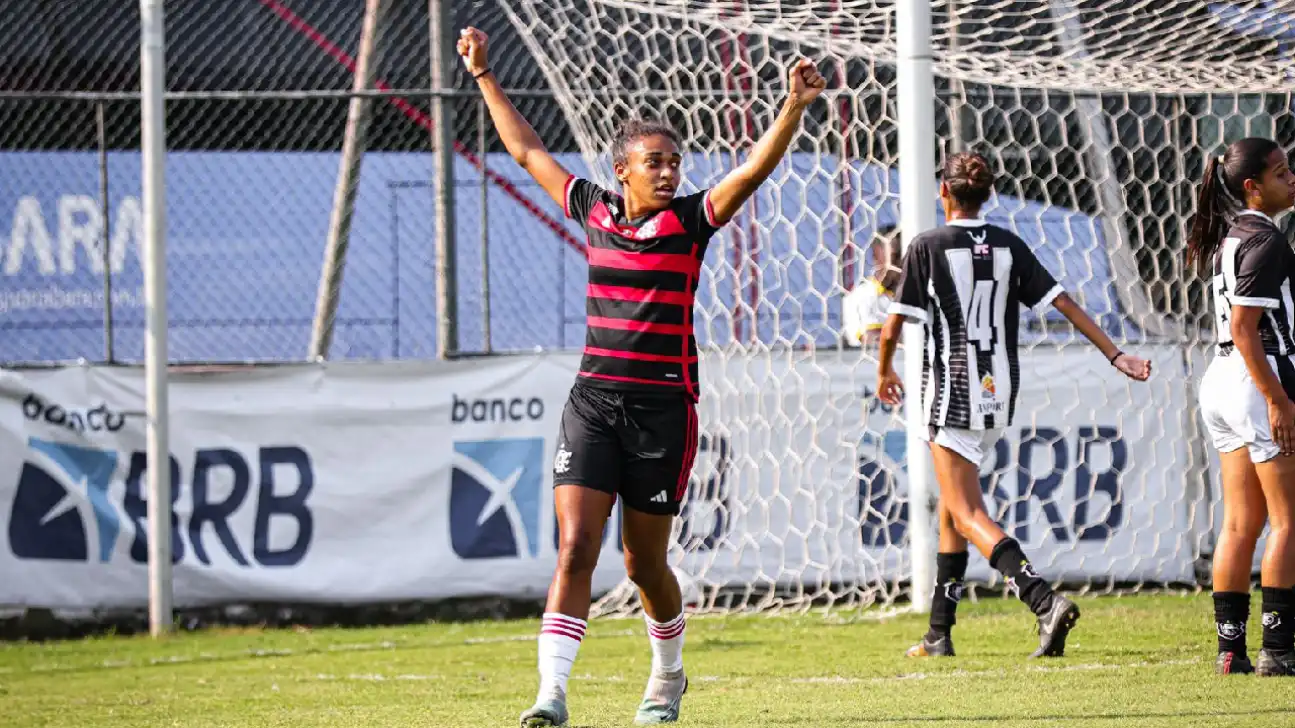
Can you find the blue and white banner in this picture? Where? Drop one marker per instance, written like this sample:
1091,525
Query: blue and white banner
383,482
313,484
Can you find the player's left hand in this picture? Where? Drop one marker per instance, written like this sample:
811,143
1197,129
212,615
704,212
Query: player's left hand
890,388
1133,367
804,82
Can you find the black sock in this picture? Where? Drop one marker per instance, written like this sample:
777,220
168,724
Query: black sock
1279,618
1231,610
949,572
1009,560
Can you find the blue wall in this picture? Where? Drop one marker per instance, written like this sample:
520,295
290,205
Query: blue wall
246,234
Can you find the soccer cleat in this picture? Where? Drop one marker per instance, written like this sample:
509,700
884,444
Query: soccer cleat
1054,626
546,713
1274,663
1233,663
942,647
662,699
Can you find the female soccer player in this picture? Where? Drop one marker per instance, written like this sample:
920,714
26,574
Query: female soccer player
966,282
629,428
1245,394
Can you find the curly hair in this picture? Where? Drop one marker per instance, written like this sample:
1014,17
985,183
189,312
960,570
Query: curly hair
637,128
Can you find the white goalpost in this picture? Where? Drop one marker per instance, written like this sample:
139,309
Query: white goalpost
915,87
153,179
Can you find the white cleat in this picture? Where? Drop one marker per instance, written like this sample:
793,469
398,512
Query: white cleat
662,698
546,713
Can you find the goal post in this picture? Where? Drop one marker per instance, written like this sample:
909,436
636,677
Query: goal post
153,179
915,88
807,490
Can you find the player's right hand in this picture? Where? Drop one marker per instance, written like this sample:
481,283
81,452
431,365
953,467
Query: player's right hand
1281,417
1133,367
890,388
472,47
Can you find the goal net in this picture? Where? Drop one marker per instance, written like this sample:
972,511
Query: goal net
1097,116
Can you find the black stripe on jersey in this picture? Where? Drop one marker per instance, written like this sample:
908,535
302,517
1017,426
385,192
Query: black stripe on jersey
982,269
950,306
657,313
646,279
933,373
647,343
665,372
1286,374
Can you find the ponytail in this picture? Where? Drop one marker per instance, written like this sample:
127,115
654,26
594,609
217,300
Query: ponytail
1207,224
1222,195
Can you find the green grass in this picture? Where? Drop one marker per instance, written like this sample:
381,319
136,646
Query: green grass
1144,661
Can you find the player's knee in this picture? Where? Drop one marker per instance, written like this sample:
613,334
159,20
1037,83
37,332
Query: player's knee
578,553
964,515
1245,527
1283,533
646,570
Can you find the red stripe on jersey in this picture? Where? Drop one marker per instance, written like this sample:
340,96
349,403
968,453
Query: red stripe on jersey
646,327
657,262
638,356
628,380
690,452
566,195
710,211
689,384
640,295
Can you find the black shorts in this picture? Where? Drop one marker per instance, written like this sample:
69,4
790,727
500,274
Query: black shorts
638,447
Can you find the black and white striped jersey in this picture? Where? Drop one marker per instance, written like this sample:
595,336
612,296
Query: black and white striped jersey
1253,267
967,281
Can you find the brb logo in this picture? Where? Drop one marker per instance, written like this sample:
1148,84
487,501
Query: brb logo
495,488
48,521
1073,482
64,508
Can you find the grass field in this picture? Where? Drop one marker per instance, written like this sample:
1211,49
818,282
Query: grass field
1145,661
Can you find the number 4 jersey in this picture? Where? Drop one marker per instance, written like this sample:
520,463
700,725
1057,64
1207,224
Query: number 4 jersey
966,282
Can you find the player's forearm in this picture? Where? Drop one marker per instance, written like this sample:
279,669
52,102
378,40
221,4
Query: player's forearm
771,147
889,342
1245,337
514,131
1086,325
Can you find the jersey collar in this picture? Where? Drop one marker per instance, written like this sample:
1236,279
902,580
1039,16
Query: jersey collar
1258,214
964,222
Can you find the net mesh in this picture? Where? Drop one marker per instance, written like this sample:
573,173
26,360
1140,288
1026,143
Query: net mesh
1097,117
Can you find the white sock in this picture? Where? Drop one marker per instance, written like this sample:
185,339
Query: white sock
667,643
560,638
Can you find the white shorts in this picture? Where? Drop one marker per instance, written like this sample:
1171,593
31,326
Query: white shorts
970,444
1235,413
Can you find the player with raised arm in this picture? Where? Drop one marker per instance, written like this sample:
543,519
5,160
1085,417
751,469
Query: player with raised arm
1245,394
629,427
966,282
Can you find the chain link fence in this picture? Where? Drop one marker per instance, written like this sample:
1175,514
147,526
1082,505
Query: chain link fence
259,93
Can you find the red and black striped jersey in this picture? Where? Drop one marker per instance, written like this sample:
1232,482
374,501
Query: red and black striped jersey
642,285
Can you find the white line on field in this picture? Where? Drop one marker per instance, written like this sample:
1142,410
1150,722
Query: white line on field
818,680
287,652
373,677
